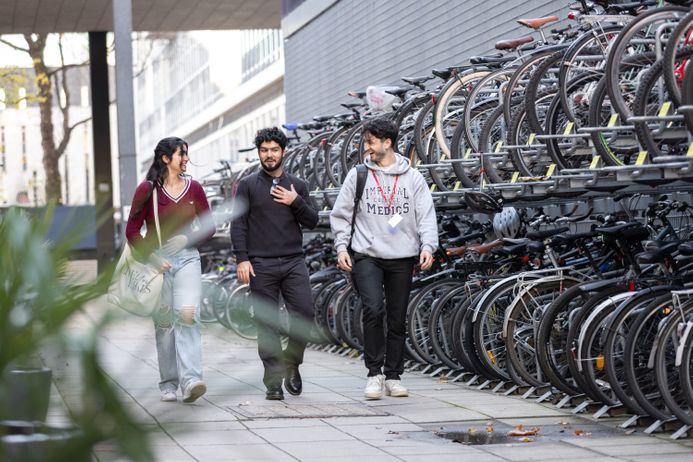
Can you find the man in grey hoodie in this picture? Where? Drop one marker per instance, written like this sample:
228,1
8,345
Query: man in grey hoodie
395,227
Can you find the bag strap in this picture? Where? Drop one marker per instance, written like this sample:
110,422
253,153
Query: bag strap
361,174
155,198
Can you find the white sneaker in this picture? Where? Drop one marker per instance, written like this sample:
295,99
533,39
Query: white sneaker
395,389
169,395
374,387
193,391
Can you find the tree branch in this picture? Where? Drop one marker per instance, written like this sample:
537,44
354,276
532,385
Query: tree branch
67,66
12,45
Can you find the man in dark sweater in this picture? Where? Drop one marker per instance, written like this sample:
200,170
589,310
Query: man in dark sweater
267,241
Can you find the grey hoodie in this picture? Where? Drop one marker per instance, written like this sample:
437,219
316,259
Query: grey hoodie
374,236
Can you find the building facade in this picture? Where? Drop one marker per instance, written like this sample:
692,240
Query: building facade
213,89
335,46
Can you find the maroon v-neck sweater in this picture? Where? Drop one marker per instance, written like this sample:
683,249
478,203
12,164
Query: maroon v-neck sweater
176,215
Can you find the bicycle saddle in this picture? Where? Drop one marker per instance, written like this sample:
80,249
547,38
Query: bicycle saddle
686,249
536,23
546,233
511,44
569,239
491,60
357,94
509,250
482,202
628,231
324,118
399,91
352,105
417,80
657,255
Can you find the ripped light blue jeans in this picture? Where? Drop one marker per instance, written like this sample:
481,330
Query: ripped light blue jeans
177,322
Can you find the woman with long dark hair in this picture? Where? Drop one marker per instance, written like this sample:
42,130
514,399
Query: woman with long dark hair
185,222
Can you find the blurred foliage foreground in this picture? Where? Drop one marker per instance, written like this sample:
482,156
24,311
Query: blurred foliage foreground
38,298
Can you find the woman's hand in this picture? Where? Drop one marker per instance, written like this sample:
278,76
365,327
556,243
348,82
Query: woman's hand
159,263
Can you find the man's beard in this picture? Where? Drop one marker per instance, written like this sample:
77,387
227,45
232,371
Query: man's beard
274,167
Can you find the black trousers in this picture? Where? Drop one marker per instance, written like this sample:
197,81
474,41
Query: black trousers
288,276
377,279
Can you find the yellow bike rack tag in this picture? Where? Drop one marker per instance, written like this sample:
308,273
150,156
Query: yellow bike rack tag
442,157
516,175
418,162
595,162
642,156
317,189
498,146
457,185
690,150
665,108
330,186
530,140
612,120
550,171
467,153
433,187
568,128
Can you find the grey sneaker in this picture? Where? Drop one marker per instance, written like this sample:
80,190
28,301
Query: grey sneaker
193,391
168,395
395,389
374,387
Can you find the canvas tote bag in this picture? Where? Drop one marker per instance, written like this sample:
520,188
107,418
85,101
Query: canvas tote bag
136,287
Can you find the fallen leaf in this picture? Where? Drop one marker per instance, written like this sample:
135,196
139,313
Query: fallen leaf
489,428
519,430
630,432
443,379
582,433
390,432
526,440
472,430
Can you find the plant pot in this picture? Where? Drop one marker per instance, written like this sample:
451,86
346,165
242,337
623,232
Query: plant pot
34,441
25,394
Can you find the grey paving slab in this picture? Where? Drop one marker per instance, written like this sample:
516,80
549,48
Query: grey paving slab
451,458
243,452
331,450
372,420
683,457
539,451
177,428
422,448
284,423
302,434
622,450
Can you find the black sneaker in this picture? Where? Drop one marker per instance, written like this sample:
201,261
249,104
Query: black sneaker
274,394
292,381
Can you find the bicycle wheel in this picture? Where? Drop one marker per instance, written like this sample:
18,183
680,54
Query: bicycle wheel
590,352
639,343
419,315
449,106
346,318
552,345
614,345
213,298
666,371
636,37
686,373
586,55
441,326
659,138
673,63
521,322
240,313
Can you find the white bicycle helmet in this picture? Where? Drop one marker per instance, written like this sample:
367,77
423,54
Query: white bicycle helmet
507,223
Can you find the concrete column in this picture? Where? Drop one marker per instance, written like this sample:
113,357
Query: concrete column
101,125
122,28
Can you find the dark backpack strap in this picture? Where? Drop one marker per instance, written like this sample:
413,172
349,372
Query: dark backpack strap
361,174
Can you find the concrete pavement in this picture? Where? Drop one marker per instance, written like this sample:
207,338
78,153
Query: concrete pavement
331,419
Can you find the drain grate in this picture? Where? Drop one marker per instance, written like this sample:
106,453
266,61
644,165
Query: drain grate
304,411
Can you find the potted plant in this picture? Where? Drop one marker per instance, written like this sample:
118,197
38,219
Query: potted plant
37,299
